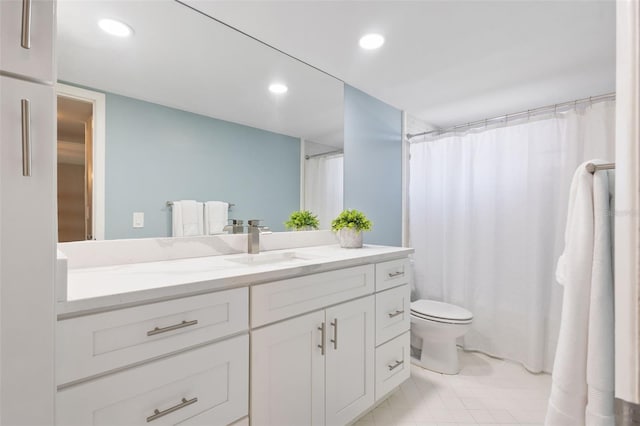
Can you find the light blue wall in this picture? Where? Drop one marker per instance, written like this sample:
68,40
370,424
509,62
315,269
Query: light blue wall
155,154
373,164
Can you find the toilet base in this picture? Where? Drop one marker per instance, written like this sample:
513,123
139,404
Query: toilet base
439,356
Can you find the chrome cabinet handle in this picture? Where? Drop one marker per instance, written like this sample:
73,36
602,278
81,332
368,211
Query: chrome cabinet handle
396,365
159,330
396,313
26,136
395,274
323,333
335,333
25,36
157,413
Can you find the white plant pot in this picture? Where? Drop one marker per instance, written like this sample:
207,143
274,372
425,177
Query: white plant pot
350,238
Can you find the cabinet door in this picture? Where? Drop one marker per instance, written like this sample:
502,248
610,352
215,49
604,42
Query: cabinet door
350,360
32,22
287,373
27,250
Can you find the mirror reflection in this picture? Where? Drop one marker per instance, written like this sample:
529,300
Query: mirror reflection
180,109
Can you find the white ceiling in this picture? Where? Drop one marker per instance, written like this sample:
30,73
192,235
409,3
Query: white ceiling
446,62
180,58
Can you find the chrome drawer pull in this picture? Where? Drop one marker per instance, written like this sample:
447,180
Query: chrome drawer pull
323,330
159,330
25,35
157,413
395,314
394,366
335,333
395,274
26,137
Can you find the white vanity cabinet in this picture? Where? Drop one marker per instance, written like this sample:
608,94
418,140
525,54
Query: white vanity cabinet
316,369
323,367
180,361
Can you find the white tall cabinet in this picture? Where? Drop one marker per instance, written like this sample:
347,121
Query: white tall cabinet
27,212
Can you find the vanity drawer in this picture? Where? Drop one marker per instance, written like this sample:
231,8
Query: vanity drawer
98,343
282,299
208,385
392,364
392,274
393,309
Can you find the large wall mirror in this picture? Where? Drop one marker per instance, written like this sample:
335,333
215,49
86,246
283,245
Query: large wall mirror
181,110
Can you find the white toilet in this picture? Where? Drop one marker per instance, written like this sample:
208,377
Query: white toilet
438,325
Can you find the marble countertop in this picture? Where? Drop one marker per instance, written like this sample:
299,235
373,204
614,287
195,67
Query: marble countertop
97,289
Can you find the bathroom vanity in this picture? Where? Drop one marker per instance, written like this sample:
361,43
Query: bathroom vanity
296,335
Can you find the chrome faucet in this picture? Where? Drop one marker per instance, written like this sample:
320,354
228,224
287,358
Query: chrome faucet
255,229
235,226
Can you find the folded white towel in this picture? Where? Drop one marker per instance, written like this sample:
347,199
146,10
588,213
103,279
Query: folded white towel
216,215
582,387
187,218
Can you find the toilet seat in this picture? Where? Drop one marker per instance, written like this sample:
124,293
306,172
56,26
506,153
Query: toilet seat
432,310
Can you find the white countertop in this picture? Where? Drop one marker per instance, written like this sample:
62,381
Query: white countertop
103,288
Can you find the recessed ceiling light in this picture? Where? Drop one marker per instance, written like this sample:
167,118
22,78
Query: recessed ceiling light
371,41
115,28
278,88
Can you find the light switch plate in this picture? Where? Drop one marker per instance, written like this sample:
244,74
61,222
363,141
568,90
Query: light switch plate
138,219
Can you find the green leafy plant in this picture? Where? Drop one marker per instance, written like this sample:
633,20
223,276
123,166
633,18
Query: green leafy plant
302,219
352,219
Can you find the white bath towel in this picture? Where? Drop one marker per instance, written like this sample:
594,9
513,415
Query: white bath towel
581,392
187,218
216,215
600,354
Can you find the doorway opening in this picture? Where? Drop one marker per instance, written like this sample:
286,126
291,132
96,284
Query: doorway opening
80,149
75,174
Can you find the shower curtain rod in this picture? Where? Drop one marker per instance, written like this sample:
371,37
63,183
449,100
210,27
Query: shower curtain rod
521,114
324,154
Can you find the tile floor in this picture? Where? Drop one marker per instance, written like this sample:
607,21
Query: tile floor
487,391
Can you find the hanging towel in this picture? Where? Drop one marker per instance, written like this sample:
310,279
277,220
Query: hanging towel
582,380
600,354
187,218
216,214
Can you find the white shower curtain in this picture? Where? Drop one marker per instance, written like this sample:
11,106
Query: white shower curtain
486,218
324,187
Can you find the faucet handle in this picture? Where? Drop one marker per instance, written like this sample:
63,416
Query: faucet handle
254,222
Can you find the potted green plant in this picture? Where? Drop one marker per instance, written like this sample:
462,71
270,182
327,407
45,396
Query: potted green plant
302,220
349,225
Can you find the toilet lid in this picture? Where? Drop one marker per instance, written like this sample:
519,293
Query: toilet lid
440,310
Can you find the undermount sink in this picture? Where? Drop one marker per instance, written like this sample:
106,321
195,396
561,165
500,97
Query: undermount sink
269,258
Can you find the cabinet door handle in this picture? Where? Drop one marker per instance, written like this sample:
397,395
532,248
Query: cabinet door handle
25,35
395,274
395,365
396,313
335,333
323,332
159,330
184,403
26,136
